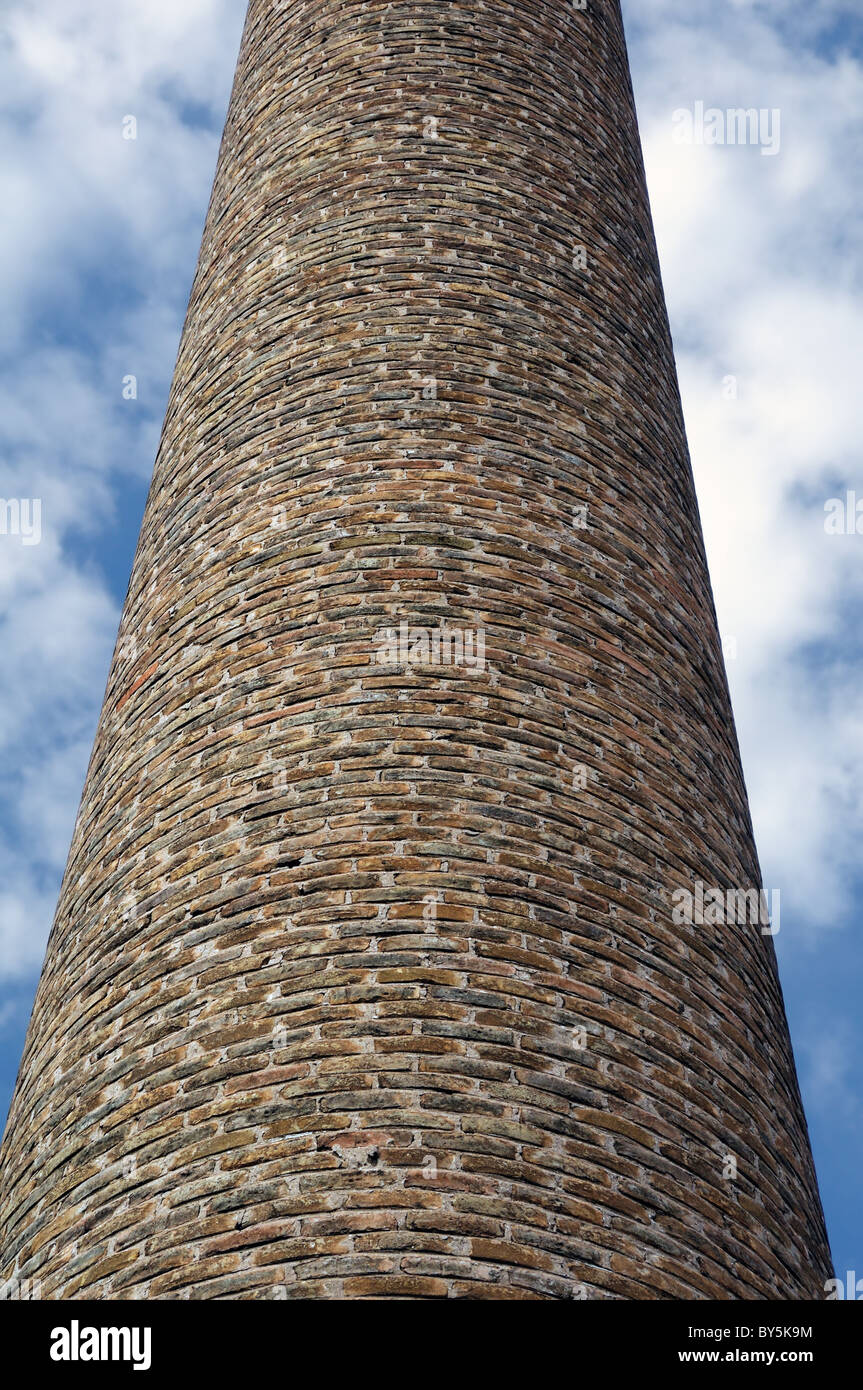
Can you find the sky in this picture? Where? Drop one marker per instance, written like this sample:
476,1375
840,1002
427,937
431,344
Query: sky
99,237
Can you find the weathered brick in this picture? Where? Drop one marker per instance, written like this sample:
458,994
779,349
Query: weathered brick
364,980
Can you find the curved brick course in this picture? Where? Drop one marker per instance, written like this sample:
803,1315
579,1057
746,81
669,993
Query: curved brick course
365,977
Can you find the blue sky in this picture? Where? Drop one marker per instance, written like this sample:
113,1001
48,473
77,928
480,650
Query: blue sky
98,242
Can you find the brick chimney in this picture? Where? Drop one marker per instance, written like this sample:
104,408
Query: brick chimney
392,957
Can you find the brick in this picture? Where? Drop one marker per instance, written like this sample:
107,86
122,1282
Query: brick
331,926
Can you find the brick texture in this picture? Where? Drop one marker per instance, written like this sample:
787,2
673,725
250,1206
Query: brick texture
365,980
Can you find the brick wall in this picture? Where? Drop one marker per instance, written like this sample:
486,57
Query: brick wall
365,978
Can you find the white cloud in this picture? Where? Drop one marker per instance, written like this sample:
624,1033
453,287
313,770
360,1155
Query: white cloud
97,248
758,279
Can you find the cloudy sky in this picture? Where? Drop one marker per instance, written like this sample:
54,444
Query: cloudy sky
98,242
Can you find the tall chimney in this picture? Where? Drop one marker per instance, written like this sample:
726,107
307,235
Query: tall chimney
411,941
